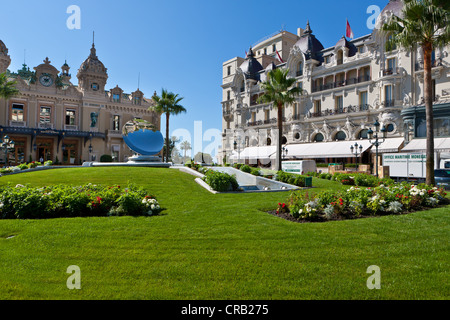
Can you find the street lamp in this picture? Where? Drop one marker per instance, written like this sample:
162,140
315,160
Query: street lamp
376,140
6,145
238,146
354,150
285,152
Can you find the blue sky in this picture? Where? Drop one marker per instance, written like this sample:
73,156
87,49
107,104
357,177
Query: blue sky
174,44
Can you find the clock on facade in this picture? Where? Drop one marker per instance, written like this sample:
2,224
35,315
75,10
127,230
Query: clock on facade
46,80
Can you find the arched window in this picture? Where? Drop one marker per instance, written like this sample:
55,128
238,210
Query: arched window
269,141
297,136
390,128
319,138
242,88
300,69
284,140
340,57
363,134
340,136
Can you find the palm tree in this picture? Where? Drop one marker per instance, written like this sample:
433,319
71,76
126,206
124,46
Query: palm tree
186,146
7,88
280,91
425,24
169,104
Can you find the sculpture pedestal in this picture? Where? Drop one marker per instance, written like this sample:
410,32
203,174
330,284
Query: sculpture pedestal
141,158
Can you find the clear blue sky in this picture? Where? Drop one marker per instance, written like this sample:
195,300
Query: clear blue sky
179,45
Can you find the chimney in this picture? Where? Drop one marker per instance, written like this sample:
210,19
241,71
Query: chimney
300,32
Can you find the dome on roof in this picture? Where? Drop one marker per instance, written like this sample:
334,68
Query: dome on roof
394,7
251,67
309,45
92,64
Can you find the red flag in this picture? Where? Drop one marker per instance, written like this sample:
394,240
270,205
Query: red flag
279,57
349,32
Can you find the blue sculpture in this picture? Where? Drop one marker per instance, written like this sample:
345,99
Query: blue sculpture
142,137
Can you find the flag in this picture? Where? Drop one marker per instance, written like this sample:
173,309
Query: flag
349,32
279,57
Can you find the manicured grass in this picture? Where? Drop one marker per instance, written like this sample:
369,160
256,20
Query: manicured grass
223,246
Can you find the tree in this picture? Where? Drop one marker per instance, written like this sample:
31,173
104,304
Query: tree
425,24
185,146
7,88
173,141
169,104
280,91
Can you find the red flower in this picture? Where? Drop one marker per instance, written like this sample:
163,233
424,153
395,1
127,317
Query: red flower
284,205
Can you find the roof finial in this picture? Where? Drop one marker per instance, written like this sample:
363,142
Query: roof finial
308,28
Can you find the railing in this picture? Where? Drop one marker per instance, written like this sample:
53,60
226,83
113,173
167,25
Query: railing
343,83
44,125
388,72
435,63
349,109
389,103
264,122
69,127
21,124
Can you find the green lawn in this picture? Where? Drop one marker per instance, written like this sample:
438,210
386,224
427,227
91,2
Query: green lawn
223,246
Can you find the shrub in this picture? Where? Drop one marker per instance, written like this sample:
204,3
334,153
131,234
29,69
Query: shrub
237,165
221,182
106,158
290,178
23,166
255,172
62,201
246,169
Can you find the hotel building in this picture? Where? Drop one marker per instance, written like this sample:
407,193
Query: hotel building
346,88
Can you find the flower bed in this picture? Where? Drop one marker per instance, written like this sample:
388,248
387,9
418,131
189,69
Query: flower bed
358,202
62,201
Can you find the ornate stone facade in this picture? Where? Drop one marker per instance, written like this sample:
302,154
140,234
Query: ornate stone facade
53,119
346,88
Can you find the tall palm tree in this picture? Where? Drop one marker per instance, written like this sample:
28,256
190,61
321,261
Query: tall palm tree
7,88
169,104
186,146
425,24
280,90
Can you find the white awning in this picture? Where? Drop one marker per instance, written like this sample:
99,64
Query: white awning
339,149
257,153
420,145
391,145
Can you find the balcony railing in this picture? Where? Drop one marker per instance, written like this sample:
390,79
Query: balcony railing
389,103
45,125
343,83
435,63
349,109
14,123
388,72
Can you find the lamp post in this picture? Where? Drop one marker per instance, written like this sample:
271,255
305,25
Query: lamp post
354,150
6,145
285,152
374,139
238,146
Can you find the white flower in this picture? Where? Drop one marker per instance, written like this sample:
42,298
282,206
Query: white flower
19,186
1,205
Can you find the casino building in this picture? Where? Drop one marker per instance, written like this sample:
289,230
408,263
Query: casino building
53,119
346,88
